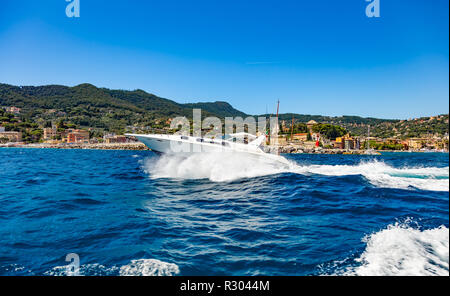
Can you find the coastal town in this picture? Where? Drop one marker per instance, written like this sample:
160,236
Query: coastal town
312,141
294,137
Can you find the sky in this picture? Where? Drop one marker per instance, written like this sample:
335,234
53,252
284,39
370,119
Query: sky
317,57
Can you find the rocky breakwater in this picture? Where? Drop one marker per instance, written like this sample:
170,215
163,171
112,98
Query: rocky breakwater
318,150
99,146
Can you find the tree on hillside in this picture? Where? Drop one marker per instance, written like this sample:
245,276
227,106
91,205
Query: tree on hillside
329,131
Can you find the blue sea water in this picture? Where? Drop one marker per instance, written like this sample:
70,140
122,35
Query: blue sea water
138,213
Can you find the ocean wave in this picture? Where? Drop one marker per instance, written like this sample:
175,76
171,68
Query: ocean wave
149,267
383,175
94,269
14,270
217,168
140,267
402,250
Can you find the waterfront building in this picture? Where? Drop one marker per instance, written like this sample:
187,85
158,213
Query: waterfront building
416,143
11,136
116,139
347,142
310,124
50,133
338,144
77,136
302,137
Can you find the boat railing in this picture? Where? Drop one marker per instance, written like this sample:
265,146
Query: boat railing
149,130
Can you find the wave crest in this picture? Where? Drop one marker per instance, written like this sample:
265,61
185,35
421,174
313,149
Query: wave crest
383,175
217,168
149,267
403,250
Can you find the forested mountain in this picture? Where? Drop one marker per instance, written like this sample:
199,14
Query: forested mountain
102,109
220,109
88,106
383,128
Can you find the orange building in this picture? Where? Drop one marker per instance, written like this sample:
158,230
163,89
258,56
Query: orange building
77,136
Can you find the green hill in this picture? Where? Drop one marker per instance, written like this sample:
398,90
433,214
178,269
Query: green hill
383,128
88,106
107,110
221,109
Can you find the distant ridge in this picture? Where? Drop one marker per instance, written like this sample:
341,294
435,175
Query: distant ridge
89,106
223,109
62,97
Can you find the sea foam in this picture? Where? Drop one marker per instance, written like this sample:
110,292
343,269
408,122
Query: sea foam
403,250
149,267
216,167
140,267
222,168
383,175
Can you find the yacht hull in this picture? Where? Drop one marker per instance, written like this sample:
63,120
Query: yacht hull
172,146
169,144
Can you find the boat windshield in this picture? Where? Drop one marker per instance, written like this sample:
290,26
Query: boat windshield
240,137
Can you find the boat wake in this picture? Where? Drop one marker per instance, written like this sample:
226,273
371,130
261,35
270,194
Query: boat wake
383,175
214,166
217,168
402,250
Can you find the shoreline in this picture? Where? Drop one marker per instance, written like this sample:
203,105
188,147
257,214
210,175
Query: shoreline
100,146
141,147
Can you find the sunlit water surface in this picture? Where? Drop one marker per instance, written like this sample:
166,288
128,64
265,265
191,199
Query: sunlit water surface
137,213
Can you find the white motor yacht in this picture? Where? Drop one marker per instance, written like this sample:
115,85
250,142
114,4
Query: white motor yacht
236,143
